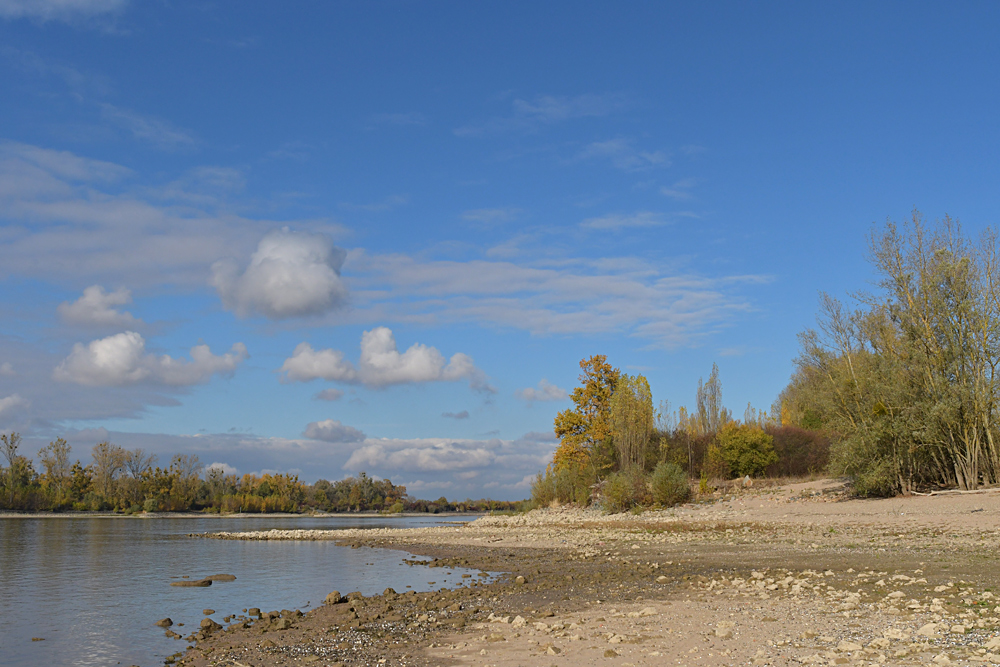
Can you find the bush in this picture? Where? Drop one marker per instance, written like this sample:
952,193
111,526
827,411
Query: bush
670,484
747,449
624,490
800,451
150,505
567,484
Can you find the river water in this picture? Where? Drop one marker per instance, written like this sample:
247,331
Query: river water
92,588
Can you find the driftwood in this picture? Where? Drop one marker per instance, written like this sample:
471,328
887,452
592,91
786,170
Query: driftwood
949,492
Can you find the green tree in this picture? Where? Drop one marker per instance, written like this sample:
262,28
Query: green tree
9,445
631,420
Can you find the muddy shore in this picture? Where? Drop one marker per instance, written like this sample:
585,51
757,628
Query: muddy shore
790,575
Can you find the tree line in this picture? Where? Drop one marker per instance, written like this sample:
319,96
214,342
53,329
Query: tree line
906,376
129,481
615,446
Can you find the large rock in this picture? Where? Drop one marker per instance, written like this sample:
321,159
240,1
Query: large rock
164,622
222,577
192,583
334,598
208,625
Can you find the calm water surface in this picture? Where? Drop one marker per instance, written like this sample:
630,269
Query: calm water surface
93,587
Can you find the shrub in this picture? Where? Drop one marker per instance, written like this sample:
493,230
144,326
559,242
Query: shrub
150,505
747,449
624,490
566,484
800,451
670,484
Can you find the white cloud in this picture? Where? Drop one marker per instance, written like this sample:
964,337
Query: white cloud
382,364
399,119
291,274
491,216
428,455
121,360
155,131
69,218
330,394
530,115
464,414
307,364
63,10
224,467
623,155
612,295
546,391
10,403
615,221
6,370
680,190
96,308
387,204
332,430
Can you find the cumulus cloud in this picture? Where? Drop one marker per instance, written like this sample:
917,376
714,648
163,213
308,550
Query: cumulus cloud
331,430
427,455
546,391
291,274
307,364
382,364
464,414
11,403
224,467
122,359
96,307
330,394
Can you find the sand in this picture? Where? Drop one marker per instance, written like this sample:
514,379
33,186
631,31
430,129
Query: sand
793,575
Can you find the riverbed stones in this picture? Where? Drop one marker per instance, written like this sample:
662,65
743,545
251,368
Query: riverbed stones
192,583
222,577
164,622
207,612
208,625
333,598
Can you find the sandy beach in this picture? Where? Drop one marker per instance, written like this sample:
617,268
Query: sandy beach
796,574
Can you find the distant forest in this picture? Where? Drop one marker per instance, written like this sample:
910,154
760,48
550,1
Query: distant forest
129,481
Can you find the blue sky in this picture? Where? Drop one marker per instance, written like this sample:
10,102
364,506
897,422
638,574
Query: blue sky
326,237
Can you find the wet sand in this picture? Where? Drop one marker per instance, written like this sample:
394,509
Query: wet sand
789,575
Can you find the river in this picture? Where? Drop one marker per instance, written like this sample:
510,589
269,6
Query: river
91,588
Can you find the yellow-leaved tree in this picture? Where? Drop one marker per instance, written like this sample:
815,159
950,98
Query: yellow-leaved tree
585,430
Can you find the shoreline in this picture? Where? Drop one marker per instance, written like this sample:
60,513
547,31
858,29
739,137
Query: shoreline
7,514
787,576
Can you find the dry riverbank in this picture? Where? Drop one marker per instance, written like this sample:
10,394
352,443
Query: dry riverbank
789,575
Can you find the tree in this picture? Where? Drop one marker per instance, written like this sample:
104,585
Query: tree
585,429
109,461
8,447
711,413
55,462
631,420
909,380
